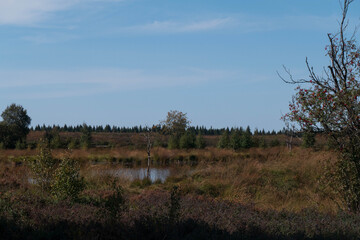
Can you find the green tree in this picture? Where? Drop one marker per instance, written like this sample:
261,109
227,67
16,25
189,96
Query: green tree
85,139
262,143
43,167
66,180
176,123
200,141
53,137
330,103
174,142
224,141
15,125
308,139
246,139
235,140
187,140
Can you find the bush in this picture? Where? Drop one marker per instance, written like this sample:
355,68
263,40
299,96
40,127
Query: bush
274,143
187,141
235,140
73,144
67,181
115,203
43,167
224,141
262,143
200,142
308,139
173,142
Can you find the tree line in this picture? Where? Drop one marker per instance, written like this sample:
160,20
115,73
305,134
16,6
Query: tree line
155,128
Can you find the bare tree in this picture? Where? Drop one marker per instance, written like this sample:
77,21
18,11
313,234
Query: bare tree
148,136
290,133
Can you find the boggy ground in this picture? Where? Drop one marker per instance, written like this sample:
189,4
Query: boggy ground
219,194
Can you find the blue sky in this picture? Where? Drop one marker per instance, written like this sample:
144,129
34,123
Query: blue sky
128,62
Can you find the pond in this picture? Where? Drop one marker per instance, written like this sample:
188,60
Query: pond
156,174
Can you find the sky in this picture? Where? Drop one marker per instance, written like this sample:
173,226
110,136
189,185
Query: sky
129,62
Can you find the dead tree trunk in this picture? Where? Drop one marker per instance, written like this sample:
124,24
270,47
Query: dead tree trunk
148,139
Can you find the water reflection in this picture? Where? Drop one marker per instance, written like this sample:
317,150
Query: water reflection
138,173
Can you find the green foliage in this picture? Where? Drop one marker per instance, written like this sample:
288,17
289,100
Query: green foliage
176,123
274,142
173,142
20,145
200,141
187,141
330,104
235,140
224,141
308,139
67,182
246,139
61,178
283,180
53,138
262,143
115,203
74,143
16,115
43,167
212,190
85,139
141,183
15,126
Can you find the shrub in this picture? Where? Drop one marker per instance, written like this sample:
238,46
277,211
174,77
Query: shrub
73,144
43,167
67,181
20,145
115,203
235,140
224,141
174,211
187,141
274,143
308,139
200,142
262,143
173,142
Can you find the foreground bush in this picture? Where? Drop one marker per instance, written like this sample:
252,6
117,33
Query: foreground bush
163,215
67,181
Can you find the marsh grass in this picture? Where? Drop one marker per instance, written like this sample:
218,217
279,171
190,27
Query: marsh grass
270,178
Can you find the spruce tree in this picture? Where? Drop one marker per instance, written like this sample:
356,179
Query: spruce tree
224,141
200,141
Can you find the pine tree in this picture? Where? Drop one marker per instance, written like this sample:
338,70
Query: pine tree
235,140
224,141
200,141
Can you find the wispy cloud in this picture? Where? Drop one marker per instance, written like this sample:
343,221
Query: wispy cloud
58,84
28,12
180,27
50,38
249,23
20,12
240,23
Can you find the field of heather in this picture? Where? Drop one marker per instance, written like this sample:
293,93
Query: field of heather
260,193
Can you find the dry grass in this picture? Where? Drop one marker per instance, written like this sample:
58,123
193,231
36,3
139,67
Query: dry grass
271,178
